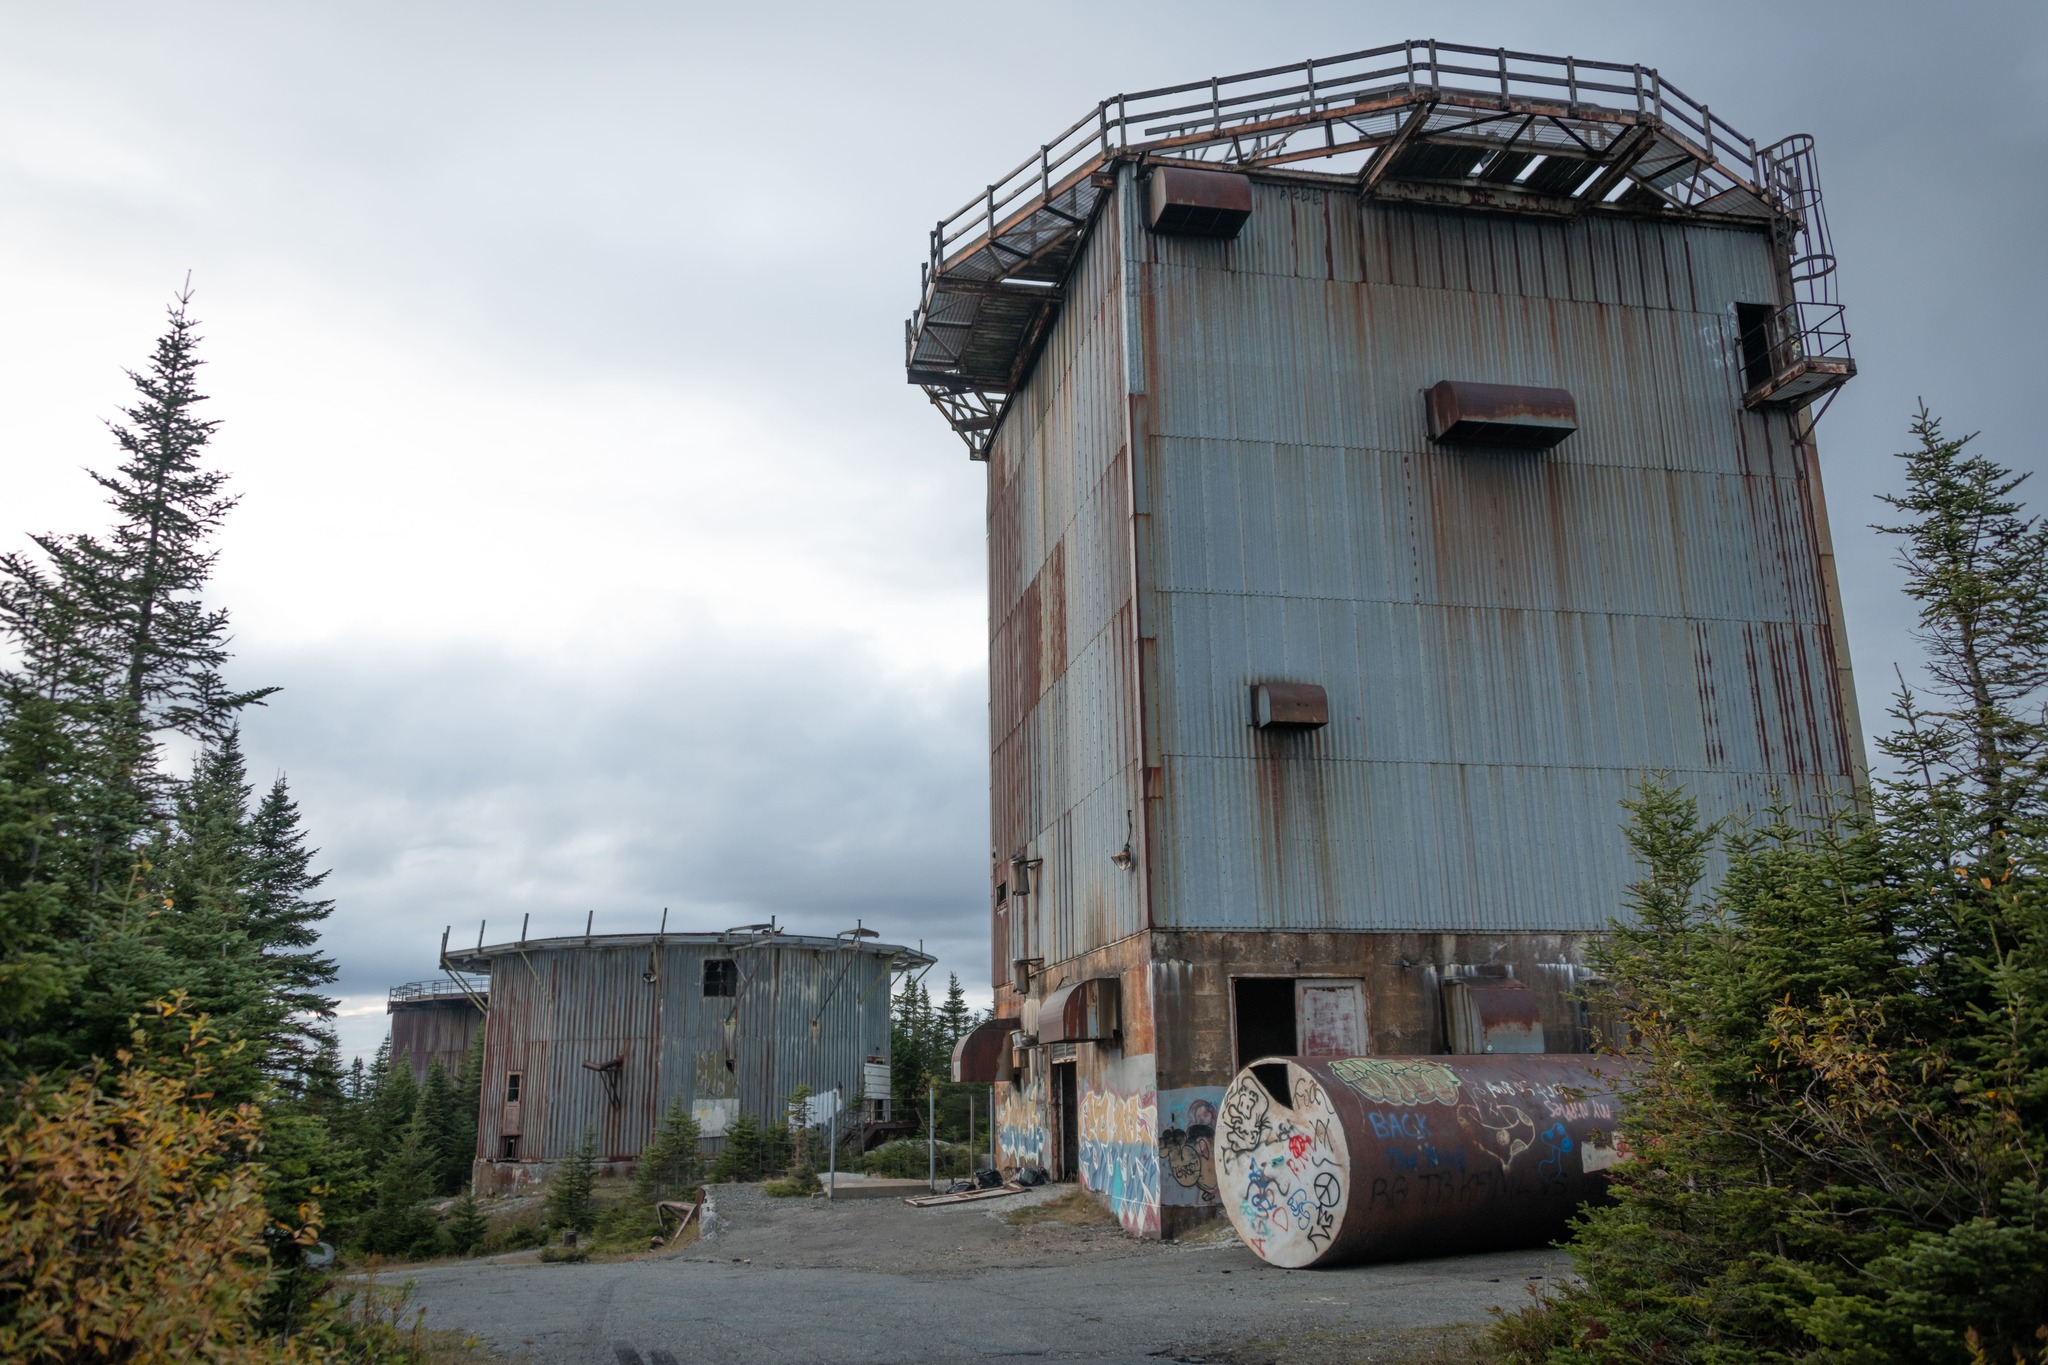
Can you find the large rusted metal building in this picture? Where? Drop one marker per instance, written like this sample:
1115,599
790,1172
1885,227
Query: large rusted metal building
435,1021
598,1034
1391,458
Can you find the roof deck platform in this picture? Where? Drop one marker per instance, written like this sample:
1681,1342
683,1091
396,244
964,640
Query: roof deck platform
1422,122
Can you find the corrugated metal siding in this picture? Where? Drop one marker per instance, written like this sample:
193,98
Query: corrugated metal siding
1508,641
428,1031
1064,731
554,1008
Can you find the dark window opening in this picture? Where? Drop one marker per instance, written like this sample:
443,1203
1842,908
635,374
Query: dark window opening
508,1149
512,1079
1753,325
721,976
1265,1017
1002,892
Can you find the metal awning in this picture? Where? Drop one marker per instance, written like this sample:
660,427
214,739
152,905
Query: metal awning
1088,1011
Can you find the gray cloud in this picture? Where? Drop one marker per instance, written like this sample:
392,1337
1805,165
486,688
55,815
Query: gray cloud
605,556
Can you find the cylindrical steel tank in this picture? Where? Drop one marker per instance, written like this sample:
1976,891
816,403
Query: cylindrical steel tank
1323,1160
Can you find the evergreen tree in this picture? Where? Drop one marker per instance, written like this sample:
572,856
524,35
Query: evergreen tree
393,1096
114,647
740,1158
572,1201
400,1224
955,1019
284,923
441,1118
1840,1130
469,1085
670,1166
467,1227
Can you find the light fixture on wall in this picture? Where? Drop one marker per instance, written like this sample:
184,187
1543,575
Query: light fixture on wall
1123,858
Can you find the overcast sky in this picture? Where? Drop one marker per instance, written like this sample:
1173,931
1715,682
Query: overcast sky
605,558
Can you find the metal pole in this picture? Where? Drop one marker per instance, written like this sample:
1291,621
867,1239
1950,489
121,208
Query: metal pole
832,1152
931,1134
970,1133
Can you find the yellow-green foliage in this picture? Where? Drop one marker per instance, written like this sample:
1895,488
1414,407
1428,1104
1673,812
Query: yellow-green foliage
131,1219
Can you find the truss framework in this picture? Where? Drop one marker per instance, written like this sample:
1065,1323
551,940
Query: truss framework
1424,122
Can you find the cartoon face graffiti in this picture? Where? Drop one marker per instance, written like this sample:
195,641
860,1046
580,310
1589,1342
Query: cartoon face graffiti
1189,1155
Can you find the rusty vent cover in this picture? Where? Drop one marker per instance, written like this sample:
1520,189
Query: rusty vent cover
1290,706
1198,203
1491,1015
1500,415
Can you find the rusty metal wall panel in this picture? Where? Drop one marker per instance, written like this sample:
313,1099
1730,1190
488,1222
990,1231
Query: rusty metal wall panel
1064,731
439,1030
1508,640
807,1014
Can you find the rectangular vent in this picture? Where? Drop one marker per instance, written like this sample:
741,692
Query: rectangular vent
1192,203
1290,706
1511,415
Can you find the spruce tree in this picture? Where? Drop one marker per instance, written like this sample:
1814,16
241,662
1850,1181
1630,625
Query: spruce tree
285,915
1840,1125
393,1096
740,1158
670,1167
441,1115
112,647
469,1084
400,1224
572,1201
467,1227
954,1021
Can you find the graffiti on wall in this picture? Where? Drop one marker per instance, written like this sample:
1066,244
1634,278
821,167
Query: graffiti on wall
1120,1154
1283,1168
1187,1145
1020,1125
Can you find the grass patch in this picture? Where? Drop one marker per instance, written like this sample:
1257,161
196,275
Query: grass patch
561,1255
793,1186
1076,1208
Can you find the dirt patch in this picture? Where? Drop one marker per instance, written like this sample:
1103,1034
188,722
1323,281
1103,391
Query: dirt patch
1074,1209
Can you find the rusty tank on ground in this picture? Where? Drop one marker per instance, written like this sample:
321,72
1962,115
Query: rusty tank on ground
1327,1160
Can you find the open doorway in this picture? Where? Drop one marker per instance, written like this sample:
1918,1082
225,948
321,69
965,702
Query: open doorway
1263,1007
1285,1016
1066,1090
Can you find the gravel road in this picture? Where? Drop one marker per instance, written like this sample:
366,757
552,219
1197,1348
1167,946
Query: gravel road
877,1281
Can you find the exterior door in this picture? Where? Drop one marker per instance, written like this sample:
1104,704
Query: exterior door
1332,1018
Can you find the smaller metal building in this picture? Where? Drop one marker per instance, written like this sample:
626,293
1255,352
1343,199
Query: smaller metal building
435,1021
598,1034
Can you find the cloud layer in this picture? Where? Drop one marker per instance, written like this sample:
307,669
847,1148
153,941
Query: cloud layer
606,559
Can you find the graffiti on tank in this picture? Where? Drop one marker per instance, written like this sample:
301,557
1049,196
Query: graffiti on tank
1284,1164
1120,1155
1020,1126
1509,1131
1556,1142
1246,1107
1407,1124
1400,1082
1187,1145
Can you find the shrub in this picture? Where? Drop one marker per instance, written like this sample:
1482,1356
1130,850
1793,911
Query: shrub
132,1218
